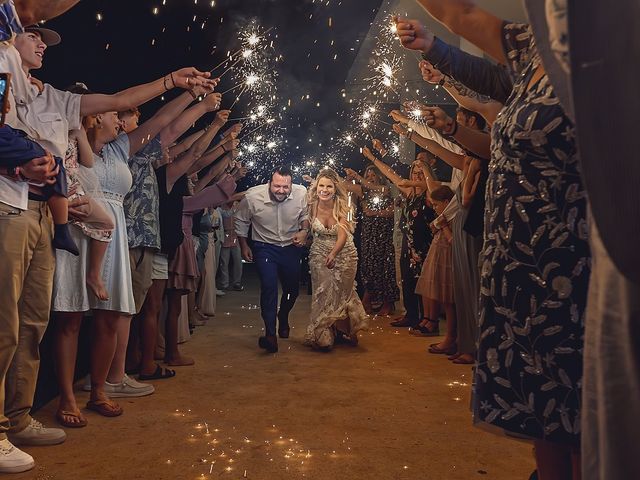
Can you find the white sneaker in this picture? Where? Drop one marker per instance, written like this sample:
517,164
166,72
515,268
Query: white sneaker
14,460
37,434
220,293
128,387
87,384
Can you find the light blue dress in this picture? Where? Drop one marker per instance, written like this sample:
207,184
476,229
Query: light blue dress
115,178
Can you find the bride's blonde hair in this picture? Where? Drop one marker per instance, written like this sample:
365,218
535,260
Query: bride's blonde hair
342,213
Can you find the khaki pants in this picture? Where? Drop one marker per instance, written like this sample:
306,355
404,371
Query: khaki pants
26,281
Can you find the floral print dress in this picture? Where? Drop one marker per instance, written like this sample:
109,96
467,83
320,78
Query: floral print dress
534,264
378,263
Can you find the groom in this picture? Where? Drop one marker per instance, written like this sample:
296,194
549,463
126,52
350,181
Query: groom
277,214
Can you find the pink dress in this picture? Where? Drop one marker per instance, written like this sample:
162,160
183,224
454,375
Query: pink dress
183,268
436,278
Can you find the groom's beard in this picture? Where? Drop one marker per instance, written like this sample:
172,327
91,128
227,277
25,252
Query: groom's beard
275,198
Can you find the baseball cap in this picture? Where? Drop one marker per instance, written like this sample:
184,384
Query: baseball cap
48,36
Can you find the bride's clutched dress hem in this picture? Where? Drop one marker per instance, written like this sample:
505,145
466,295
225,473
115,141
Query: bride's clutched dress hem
335,305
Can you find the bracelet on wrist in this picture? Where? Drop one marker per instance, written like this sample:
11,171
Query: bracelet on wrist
193,94
172,80
164,82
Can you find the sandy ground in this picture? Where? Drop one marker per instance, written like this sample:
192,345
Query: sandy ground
383,410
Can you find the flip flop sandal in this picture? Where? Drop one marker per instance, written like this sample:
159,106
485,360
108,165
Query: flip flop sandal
160,374
457,361
105,408
462,361
60,414
439,351
421,331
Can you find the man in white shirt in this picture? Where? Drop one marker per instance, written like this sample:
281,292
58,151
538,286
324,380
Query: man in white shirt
277,214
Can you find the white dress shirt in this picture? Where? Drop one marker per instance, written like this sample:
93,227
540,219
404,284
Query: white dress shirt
273,222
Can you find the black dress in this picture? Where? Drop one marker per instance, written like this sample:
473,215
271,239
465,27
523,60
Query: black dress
378,262
416,239
534,263
171,205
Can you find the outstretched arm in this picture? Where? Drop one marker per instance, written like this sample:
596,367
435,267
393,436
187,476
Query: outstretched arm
466,97
179,148
453,159
213,196
34,11
464,18
228,144
184,164
186,78
146,132
180,125
389,172
215,171
474,141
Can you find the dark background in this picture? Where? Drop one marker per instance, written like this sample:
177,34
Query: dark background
117,52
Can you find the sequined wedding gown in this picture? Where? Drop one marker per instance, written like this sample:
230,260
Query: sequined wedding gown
335,305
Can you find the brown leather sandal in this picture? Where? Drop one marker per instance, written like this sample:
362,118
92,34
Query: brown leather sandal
106,408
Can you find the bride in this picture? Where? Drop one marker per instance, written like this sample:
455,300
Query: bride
336,311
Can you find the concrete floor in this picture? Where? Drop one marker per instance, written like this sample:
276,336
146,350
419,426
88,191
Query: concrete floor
383,410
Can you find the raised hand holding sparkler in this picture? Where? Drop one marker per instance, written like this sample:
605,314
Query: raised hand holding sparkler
238,171
431,74
202,90
401,130
233,131
438,119
377,144
212,101
351,174
368,154
222,117
399,117
413,35
188,78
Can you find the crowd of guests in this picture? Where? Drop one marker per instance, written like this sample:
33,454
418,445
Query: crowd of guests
82,185
503,252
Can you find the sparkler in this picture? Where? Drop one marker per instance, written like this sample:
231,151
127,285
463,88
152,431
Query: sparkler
271,120
248,82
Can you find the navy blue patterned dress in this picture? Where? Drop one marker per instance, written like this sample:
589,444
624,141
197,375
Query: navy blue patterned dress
534,263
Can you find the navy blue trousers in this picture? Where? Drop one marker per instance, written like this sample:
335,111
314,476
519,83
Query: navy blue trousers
277,263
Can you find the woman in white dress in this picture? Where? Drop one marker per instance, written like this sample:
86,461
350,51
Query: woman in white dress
336,310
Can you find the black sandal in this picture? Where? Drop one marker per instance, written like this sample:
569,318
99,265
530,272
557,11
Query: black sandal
160,374
420,331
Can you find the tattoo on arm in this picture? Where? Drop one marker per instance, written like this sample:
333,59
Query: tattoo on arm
466,92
